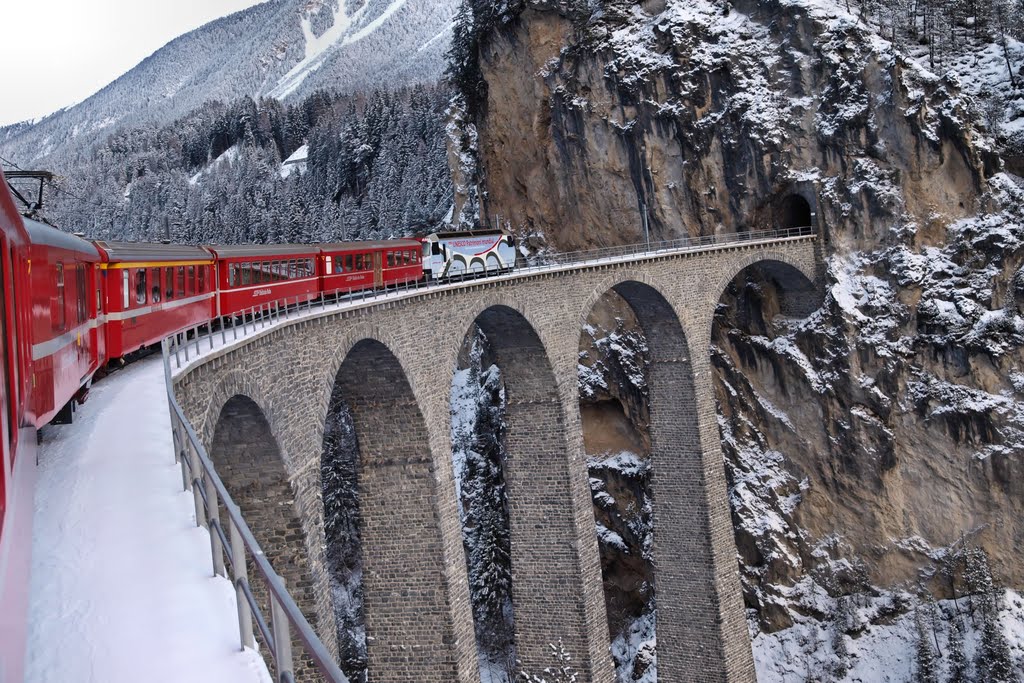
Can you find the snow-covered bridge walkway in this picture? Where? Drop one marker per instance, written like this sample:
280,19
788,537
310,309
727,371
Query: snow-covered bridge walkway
123,588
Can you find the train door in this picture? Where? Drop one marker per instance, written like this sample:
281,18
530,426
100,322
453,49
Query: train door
378,270
7,417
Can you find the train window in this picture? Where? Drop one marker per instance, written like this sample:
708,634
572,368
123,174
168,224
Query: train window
168,283
391,259
415,255
246,273
348,263
155,279
140,286
435,249
179,290
81,293
60,319
202,278
124,290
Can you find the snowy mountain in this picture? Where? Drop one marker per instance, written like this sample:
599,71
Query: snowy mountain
285,49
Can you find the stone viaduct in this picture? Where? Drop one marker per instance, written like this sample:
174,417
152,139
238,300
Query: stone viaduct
261,403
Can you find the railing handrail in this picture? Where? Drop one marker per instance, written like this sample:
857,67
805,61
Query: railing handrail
275,585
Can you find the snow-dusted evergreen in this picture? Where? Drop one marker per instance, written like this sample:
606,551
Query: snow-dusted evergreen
339,472
478,455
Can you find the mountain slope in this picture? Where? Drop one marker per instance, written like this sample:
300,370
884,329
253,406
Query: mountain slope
282,48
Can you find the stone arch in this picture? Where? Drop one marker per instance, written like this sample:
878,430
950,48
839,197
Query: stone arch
410,619
795,283
690,599
252,465
552,599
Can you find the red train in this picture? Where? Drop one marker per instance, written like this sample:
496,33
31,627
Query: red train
70,306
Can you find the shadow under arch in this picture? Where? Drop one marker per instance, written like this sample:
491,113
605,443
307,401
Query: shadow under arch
786,289
249,461
688,604
408,619
551,602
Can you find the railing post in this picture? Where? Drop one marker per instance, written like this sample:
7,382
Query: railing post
209,333
223,333
240,578
282,634
194,478
213,522
196,335
184,336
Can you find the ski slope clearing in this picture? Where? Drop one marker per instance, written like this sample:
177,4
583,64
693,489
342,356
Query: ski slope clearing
122,580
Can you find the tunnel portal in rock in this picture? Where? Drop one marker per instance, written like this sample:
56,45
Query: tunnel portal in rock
794,212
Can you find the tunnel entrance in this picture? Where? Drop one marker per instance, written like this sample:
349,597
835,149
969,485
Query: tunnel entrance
794,212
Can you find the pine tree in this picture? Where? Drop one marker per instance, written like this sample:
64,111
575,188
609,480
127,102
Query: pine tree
994,663
957,656
927,662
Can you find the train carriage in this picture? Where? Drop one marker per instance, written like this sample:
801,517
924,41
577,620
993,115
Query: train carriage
17,438
256,274
468,253
353,266
151,291
67,346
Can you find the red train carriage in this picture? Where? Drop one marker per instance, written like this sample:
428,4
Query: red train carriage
153,290
369,265
254,274
17,438
66,344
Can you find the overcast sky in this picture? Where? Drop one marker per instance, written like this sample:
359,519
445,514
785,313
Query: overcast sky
54,53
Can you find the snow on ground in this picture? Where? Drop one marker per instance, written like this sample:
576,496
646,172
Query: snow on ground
319,48
122,581
882,652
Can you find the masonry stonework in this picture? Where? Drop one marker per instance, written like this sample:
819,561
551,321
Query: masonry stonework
396,360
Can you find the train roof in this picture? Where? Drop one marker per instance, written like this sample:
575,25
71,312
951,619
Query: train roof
465,233
261,250
150,252
41,233
371,246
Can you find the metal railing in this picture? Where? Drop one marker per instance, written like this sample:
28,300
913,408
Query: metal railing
237,550
190,342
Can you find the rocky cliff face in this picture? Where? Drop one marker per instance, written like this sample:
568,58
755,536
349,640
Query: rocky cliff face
871,443
711,114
